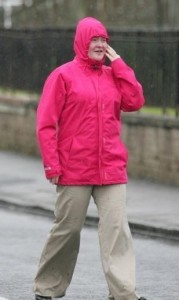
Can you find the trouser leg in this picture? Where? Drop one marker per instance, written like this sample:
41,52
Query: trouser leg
116,247
59,255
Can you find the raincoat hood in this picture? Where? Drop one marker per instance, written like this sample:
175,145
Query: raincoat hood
87,28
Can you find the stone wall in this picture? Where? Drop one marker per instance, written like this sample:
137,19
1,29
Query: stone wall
17,126
153,142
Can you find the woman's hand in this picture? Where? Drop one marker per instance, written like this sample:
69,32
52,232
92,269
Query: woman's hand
111,53
54,180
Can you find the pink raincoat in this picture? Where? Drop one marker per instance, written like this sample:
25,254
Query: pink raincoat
78,117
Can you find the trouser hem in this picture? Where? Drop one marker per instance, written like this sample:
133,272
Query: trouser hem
52,296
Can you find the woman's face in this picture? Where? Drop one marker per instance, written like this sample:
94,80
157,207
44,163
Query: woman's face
97,48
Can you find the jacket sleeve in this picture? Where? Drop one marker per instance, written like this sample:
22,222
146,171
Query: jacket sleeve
131,89
48,113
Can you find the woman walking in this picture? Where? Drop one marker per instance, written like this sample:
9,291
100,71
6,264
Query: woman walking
79,128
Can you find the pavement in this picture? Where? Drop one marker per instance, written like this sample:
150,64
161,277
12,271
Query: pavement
23,237
153,208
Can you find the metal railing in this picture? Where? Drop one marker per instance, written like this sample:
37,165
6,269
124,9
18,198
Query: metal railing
27,56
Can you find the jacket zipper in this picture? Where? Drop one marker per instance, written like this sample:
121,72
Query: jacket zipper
100,132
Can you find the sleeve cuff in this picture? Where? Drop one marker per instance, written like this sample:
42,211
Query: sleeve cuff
52,172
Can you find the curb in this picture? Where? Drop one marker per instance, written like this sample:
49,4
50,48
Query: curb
91,221
142,229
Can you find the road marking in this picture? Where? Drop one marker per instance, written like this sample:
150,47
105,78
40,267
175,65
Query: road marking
1,298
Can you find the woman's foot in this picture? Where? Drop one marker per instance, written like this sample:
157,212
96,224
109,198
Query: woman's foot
38,297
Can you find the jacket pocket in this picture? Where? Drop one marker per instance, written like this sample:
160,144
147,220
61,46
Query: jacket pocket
64,150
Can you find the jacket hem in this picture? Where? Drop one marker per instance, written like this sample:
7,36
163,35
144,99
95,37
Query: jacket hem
93,183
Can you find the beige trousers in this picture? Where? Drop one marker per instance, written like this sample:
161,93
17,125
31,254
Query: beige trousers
60,253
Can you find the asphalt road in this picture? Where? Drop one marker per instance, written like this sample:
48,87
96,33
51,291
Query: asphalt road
21,240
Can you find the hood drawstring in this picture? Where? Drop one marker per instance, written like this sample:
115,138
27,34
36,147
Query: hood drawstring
95,67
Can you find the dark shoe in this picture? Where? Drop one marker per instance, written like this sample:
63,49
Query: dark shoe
112,298
38,297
